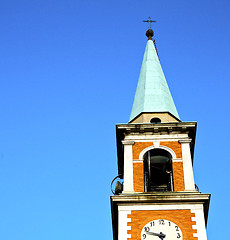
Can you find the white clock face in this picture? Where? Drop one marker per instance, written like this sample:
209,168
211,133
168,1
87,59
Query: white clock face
161,229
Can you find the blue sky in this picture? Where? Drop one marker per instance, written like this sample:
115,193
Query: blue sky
68,73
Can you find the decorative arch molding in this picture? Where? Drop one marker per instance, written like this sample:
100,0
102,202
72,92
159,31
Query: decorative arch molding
141,156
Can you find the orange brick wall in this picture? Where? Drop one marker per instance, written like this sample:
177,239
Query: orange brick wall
178,176
138,147
183,218
138,176
175,146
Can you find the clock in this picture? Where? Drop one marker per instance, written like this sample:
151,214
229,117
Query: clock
161,229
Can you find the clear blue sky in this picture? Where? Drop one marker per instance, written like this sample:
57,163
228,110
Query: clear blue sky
68,74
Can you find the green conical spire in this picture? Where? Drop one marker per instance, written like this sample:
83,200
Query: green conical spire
152,93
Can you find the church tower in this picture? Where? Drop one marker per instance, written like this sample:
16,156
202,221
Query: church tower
158,198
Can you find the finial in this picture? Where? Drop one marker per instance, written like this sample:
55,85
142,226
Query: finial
149,32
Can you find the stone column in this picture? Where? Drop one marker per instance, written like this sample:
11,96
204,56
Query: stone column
189,184
128,167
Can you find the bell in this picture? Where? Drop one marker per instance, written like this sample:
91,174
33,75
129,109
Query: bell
159,159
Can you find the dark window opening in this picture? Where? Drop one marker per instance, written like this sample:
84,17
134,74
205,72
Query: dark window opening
158,170
155,120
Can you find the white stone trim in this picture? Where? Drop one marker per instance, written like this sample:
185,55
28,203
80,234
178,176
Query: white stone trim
177,160
126,142
141,156
200,223
156,143
189,183
128,167
122,225
138,160
149,137
160,207
187,140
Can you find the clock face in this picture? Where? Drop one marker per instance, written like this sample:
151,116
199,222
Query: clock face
161,229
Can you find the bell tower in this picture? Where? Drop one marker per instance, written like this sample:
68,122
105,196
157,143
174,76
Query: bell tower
158,198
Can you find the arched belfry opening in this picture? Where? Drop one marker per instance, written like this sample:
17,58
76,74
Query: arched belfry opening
158,170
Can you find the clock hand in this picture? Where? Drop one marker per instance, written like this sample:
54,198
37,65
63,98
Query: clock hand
160,235
152,233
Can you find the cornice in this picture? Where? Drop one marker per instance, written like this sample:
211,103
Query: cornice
148,127
161,197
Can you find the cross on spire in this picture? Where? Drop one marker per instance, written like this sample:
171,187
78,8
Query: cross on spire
149,21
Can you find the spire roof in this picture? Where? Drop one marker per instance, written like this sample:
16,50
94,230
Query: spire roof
152,93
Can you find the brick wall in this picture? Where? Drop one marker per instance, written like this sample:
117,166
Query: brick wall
183,218
138,176
138,147
175,146
178,176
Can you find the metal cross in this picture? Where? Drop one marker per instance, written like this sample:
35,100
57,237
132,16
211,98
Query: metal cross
149,21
